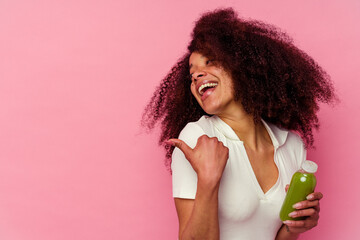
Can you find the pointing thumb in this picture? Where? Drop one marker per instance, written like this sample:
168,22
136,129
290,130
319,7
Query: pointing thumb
181,145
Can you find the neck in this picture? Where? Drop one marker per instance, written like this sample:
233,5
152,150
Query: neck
254,136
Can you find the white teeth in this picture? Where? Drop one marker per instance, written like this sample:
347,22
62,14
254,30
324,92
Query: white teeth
206,85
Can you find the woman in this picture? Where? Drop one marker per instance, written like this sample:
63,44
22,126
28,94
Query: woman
232,123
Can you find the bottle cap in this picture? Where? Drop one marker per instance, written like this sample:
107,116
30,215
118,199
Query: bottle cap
309,166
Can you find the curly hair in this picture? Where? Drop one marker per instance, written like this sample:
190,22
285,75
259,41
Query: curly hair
273,79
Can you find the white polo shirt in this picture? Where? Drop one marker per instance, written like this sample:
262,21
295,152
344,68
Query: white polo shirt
245,211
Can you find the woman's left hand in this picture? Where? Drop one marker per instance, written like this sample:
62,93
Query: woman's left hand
310,209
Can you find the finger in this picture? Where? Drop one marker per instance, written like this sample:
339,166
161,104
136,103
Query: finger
181,145
287,187
291,223
303,213
301,224
306,204
314,196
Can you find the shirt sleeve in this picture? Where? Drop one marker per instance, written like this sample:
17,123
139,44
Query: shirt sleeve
184,178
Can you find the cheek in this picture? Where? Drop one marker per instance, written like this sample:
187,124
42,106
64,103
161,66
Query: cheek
228,83
194,93
193,89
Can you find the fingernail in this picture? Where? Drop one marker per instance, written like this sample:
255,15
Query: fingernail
297,205
292,214
309,197
286,222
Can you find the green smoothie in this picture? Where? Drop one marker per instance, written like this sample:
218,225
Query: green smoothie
303,183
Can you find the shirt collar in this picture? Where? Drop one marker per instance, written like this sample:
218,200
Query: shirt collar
278,136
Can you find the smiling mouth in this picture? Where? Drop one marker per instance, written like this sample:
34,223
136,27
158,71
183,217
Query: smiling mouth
204,87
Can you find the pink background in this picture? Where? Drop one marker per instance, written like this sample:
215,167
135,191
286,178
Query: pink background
74,78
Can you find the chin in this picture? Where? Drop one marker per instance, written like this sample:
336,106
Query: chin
211,110
211,106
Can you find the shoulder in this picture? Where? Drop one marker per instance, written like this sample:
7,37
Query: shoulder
293,149
193,130
284,137
293,140
289,143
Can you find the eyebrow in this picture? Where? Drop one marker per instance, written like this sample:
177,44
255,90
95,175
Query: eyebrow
190,66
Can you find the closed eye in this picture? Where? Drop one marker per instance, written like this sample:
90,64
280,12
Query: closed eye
208,62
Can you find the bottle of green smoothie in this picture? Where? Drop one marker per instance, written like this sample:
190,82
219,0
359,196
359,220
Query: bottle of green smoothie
303,183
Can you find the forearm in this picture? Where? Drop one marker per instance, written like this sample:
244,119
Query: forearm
203,223
284,234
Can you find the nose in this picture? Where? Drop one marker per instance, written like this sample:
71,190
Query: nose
199,74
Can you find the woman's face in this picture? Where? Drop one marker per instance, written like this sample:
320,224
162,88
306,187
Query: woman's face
211,85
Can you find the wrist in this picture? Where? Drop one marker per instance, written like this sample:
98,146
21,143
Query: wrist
284,233
208,182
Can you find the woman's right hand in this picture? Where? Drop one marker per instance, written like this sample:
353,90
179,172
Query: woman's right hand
208,158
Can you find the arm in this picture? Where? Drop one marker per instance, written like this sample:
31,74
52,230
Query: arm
198,218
